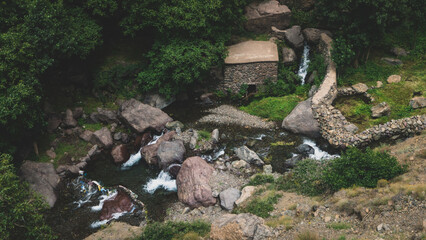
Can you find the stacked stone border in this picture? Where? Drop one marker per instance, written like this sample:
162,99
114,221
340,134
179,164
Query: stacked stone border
334,126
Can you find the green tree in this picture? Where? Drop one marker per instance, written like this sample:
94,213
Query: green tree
20,211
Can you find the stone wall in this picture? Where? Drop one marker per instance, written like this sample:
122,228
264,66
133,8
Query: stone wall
248,73
333,125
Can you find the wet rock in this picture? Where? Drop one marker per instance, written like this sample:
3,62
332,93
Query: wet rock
360,87
149,152
248,155
261,16
305,149
382,109
193,183
394,79
86,135
289,56
242,226
122,202
158,101
399,52
170,152
174,169
175,124
228,198
301,120
246,193
294,37
215,136
418,102
69,121
93,151
117,230
291,162
141,116
392,61
120,154
42,178
102,138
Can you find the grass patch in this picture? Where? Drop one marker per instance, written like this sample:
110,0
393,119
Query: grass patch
175,230
285,221
260,179
203,135
339,226
261,205
66,150
272,108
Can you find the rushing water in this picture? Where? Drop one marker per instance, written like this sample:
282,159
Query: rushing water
304,64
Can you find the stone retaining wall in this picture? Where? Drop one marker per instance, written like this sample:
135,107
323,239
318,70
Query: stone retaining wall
333,125
248,73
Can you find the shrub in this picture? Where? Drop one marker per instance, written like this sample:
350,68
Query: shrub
359,168
260,179
175,230
342,53
20,211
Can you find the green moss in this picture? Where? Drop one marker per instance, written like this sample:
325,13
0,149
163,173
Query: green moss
203,135
272,108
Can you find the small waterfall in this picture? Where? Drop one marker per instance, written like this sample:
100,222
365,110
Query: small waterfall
163,180
318,154
304,64
135,158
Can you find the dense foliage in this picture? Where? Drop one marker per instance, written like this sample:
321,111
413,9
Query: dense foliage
20,211
175,230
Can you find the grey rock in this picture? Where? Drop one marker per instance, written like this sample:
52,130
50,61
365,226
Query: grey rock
301,120
228,198
194,139
352,128
294,37
305,149
394,79
158,101
215,135
69,170
289,56
86,135
170,152
93,151
117,136
313,90
246,193
291,162
392,61
77,113
383,227
102,138
312,35
141,117
69,121
382,109
418,102
360,87
104,116
248,155
267,169
175,124
120,154
240,164
42,178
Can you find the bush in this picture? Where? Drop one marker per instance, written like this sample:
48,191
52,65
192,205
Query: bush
20,211
342,53
359,168
174,230
260,179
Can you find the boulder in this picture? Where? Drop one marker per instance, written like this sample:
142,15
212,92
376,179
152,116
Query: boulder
117,230
141,116
246,193
382,109
158,101
122,202
243,226
399,52
394,79
392,61
240,164
102,138
312,35
360,87
289,56
42,178
248,155
104,116
193,183
86,135
120,154
215,136
142,140
228,198
170,152
305,149
294,37
261,16
149,152
69,121
301,120
418,102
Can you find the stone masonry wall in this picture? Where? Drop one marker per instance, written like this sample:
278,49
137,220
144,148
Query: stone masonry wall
334,126
248,73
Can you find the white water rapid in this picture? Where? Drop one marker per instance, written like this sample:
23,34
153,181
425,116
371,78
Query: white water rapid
135,158
318,154
163,180
304,64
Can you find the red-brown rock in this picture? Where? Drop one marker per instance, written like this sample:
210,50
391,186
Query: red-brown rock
149,152
120,154
193,183
120,203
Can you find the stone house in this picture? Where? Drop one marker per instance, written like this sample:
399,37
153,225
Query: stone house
250,63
